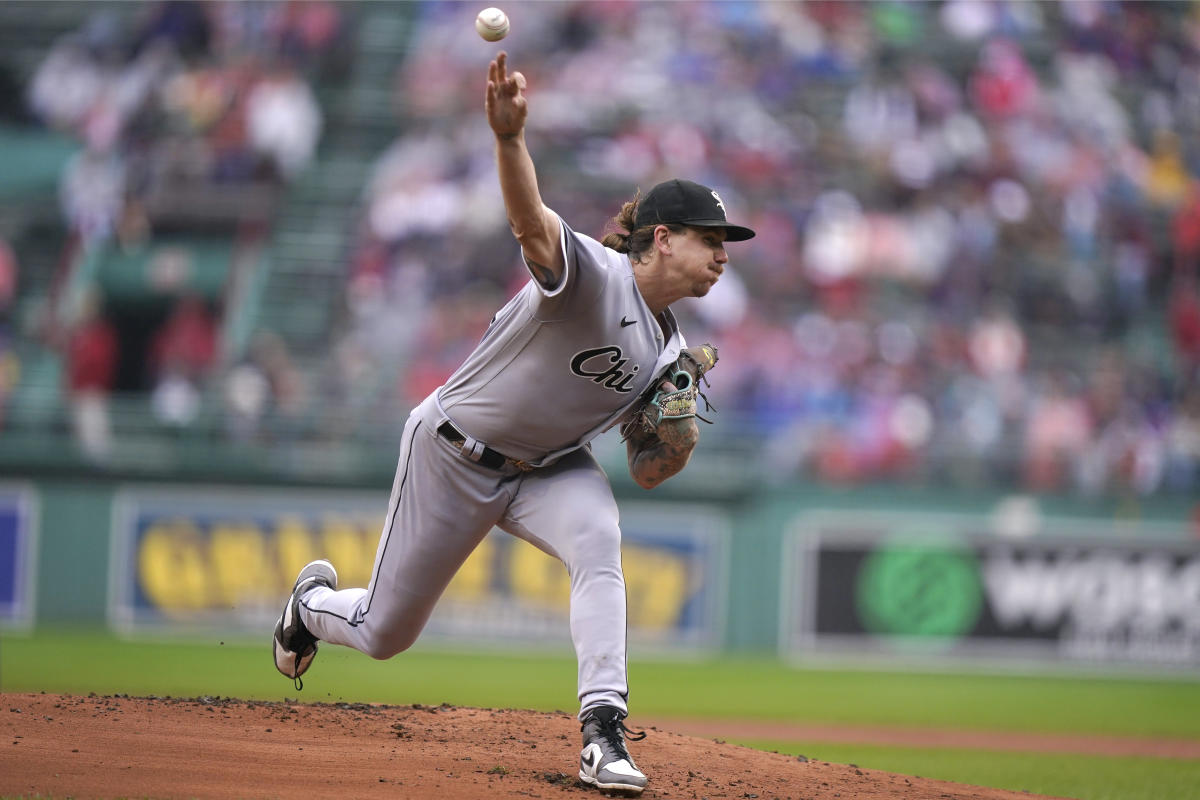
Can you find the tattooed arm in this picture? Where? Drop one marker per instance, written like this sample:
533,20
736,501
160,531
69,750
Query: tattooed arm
654,457
535,226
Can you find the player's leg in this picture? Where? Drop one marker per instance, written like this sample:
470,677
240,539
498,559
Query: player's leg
568,511
441,507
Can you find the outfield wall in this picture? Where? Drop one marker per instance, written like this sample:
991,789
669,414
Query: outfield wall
863,574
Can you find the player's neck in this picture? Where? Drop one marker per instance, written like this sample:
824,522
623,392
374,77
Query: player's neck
654,286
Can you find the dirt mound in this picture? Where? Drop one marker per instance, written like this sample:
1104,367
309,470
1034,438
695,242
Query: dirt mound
120,746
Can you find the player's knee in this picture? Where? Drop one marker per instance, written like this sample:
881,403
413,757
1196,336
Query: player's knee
383,643
381,652
599,564
383,649
600,546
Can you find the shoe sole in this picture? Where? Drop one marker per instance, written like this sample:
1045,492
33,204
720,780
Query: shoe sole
610,787
300,578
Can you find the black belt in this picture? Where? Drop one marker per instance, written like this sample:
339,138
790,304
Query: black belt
492,459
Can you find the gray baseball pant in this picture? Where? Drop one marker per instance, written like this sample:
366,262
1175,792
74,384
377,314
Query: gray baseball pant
442,505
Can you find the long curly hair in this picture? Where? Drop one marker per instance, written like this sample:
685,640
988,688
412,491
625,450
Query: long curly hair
623,235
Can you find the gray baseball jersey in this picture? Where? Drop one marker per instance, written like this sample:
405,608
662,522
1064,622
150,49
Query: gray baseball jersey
555,368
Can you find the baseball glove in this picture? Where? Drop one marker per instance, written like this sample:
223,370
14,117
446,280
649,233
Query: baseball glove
679,402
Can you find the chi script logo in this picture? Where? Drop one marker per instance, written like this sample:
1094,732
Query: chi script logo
717,197
605,366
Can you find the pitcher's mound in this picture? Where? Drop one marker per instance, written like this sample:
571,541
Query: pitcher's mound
120,746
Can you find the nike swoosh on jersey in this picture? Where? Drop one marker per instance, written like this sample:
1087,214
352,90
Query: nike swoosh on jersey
625,323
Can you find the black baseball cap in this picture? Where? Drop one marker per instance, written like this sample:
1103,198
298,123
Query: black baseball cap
687,203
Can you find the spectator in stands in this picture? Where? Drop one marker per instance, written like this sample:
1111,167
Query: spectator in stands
246,395
1182,441
8,281
1057,433
91,368
1185,232
13,108
93,194
184,24
65,84
187,341
233,158
182,355
1184,318
10,372
10,367
1003,85
289,396
265,395
283,120
308,30
1167,178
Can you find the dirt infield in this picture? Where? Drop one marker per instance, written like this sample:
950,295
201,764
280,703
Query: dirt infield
119,746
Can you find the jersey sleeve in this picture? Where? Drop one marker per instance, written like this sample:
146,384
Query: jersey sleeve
586,272
568,269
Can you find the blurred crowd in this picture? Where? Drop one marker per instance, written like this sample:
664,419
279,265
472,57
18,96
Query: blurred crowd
181,95
191,117
978,250
979,223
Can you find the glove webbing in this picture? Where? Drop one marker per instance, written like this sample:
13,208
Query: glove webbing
690,390
655,410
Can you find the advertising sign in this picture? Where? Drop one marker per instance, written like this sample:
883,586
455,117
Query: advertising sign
18,531
936,585
219,559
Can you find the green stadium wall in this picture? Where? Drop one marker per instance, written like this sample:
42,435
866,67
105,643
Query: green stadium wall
730,574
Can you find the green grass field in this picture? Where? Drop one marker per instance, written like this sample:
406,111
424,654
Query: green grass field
1087,777
747,689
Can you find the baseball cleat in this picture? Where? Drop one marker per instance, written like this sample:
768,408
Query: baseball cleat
604,761
293,646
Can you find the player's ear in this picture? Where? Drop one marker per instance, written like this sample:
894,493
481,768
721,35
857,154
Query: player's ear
662,239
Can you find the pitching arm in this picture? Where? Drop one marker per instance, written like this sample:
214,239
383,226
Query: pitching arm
536,227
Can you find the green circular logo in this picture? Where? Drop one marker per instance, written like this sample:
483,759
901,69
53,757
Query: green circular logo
919,590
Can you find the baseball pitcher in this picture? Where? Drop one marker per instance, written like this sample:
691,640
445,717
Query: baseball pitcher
588,344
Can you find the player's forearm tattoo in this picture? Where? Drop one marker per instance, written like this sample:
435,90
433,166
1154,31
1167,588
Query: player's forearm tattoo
657,456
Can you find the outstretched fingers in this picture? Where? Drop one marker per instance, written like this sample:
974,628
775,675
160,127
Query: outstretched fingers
499,79
499,82
495,77
504,101
495,70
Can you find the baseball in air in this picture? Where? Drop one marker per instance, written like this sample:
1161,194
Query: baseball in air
492,24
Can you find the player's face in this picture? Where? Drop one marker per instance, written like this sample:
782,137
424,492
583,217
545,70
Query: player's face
702,258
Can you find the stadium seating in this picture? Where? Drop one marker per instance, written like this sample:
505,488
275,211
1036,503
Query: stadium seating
342,312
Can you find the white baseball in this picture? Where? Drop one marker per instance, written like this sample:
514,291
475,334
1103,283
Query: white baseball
492,24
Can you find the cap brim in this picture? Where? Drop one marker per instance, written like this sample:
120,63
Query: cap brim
733,233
